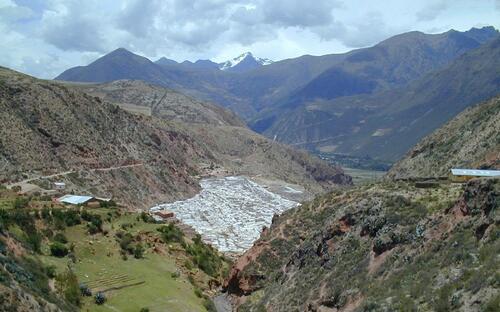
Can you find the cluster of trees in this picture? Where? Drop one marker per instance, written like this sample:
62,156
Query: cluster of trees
171,234
129,246
204,256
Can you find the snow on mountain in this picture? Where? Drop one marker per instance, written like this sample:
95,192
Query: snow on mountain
243,62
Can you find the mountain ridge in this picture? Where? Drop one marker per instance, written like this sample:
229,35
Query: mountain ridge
469,140
53,128
386,124
302,89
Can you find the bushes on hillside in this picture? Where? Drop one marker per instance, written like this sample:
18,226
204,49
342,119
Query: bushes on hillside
60,238
85,290
94,222
204,256
63,218
171,234
147,218
20,202
67,284
100,298
34,239
26,222
138,251
58,250
128,247
107,204
126,241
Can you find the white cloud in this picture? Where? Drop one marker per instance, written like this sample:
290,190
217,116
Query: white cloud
45,37
432,11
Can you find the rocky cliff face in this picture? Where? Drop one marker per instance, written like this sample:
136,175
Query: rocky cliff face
378,248
470,140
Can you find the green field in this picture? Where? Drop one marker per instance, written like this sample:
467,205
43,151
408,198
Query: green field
147,282
361,176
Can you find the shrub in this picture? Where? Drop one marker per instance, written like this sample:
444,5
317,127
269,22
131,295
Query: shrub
34,239
51,271
67,284
198,292
16,188
147,218
171,233
138,251
58,250
204,256
92,228
144,310
209,305
126,243
20,202
72,218
60,238
100,298
107,204
85,290
493,304
175,274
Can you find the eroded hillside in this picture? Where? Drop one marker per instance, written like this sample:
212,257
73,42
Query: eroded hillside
380,247
55,131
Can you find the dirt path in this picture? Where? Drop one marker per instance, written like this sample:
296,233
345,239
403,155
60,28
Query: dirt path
25,184
222,303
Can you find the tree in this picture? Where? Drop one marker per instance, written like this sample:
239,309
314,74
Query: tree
58,250
100,298
85,290
67,284
138,251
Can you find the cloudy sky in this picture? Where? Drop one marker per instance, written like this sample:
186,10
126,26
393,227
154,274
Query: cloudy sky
45,37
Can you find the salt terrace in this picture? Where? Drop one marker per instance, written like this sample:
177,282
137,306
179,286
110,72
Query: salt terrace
229,212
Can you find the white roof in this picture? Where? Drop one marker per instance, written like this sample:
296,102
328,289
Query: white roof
475,172
60,183
74,199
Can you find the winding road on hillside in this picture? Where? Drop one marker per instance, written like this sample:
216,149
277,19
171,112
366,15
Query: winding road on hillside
27,186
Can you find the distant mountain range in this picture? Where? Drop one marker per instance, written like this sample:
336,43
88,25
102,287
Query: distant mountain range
244,62
386,124
360,103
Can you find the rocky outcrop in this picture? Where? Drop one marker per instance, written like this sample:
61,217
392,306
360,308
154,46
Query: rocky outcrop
377,247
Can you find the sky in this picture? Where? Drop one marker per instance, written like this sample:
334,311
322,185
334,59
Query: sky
45,37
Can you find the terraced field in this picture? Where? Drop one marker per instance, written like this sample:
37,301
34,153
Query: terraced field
131,284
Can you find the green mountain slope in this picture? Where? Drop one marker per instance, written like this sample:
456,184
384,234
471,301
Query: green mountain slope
385,125
470,140
381,247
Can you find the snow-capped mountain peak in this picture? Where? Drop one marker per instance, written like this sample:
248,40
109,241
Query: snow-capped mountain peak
245,61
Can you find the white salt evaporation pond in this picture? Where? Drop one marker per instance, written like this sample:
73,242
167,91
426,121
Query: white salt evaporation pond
229,212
